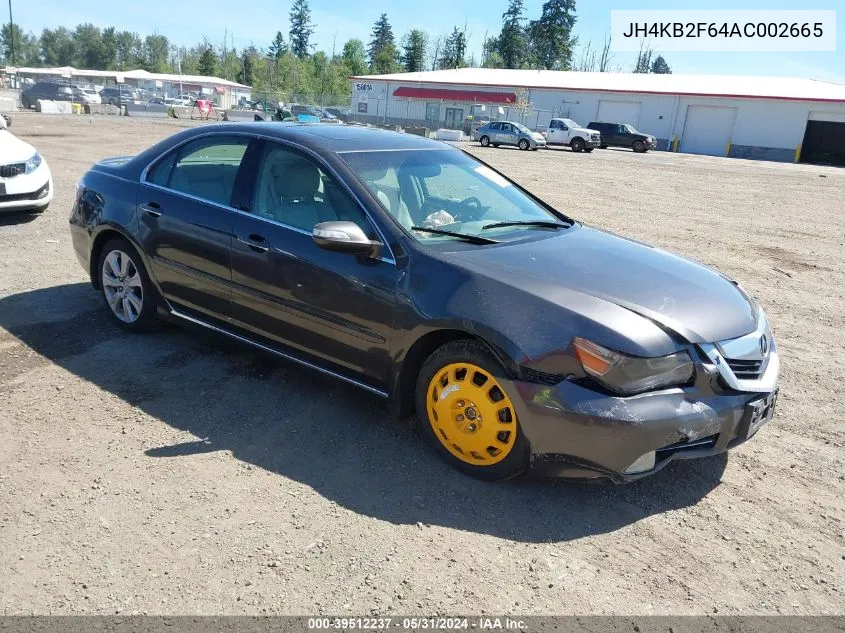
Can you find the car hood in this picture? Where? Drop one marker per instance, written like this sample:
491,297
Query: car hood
13,150
695,301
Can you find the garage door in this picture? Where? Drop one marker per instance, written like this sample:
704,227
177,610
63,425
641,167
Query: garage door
707,130
620,112
824,142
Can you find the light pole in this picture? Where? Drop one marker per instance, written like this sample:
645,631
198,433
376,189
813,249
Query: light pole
12,33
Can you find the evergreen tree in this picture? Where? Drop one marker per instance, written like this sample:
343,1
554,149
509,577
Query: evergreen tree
512,42
57,47
278,47
454,50
301,29
208,63
246,74
383,56
551,36
414,50
660,67
156,49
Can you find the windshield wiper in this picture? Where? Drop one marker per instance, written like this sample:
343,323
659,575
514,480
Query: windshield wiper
474,239
542,223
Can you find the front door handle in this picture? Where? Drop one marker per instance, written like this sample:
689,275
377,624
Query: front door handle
255,242
152,208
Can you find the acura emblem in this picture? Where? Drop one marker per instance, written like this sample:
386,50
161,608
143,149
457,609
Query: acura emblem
764,345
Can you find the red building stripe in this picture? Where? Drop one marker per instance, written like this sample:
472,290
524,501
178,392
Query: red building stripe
472,96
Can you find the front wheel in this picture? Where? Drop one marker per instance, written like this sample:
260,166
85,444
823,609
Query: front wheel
126,287
485,141
466,414
577,145
589,149
638,147
524,145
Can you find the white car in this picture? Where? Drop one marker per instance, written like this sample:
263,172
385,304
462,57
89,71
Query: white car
87,95
26,183
568,132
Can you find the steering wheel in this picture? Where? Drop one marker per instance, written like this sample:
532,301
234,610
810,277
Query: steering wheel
473,205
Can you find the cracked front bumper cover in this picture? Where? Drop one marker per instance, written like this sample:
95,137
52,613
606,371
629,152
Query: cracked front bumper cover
576,432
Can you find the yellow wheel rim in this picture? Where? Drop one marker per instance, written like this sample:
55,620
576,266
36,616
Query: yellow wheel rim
471,414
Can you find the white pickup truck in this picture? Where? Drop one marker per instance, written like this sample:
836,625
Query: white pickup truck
568,132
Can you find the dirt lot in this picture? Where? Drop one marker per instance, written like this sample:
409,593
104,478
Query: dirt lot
176,473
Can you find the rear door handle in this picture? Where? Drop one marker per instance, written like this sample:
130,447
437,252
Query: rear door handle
152,208
255,242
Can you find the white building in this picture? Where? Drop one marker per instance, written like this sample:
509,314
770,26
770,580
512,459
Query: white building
774,118
224,92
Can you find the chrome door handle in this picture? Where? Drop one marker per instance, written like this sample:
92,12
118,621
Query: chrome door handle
152,208
255,242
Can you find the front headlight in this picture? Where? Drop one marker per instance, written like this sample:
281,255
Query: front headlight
627,375
33,163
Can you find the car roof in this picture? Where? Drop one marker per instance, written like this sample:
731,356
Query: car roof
331,138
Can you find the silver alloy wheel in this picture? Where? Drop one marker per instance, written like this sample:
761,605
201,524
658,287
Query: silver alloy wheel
122,286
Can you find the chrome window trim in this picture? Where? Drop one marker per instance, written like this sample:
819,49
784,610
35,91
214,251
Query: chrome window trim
254,135
276,352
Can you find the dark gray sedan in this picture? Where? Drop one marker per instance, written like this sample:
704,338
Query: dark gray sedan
498,133
519,336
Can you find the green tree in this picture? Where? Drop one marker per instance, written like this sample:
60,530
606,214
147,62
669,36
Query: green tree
355,56
208,63
301,29
278,47
382,52
57,47
88,41
490,57
129,49
25,45
660,67
414,50
109,48
454,50
156,48
512,42
550,37
246,74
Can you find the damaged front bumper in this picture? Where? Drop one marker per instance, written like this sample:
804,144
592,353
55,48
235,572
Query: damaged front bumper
577,432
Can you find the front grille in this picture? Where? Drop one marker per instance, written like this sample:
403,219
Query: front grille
746,369
687,445
595,137
541,377
10,171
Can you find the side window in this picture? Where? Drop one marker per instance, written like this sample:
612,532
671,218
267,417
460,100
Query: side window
205,168
495,126
554,125
293,190
621,129
506,127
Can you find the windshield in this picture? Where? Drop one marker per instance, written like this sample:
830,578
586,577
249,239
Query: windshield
570,123
446,190
631,128
521,128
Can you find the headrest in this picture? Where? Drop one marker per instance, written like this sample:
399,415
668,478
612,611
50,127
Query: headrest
376,173
297,180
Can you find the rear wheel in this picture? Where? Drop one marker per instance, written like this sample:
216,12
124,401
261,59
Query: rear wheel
126,288
485,141
524,144
602,146
466,414
577,145
638,147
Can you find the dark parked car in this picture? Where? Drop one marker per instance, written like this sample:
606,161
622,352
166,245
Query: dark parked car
344,114
45,90
405,266
118,96
623,135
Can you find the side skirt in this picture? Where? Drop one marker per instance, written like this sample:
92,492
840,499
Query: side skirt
275,352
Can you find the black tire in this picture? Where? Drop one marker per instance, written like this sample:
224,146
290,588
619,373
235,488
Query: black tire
589,149
147,318
524,145
638,147
474,352
602,146
577,145
112,102
485,141
495,144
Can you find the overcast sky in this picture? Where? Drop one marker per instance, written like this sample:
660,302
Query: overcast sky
256,22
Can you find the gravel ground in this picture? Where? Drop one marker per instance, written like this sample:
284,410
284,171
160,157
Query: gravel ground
175,473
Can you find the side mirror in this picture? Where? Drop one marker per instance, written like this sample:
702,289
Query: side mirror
344,237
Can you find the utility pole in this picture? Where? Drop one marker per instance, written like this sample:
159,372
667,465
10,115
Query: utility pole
12,33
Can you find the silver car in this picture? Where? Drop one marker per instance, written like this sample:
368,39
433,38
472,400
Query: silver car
498,133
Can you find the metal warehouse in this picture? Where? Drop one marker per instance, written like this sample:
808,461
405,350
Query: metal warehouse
773,118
